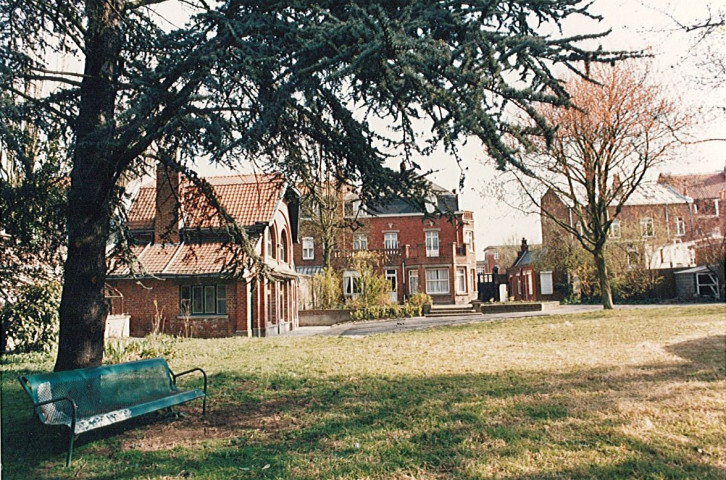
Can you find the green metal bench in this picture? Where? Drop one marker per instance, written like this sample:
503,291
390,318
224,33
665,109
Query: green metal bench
95,397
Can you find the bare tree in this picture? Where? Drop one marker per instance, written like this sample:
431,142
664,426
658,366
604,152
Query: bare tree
620,128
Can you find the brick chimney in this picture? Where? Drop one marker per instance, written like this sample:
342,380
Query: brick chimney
616,182
524,246
166,223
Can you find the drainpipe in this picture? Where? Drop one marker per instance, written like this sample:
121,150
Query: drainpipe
403,275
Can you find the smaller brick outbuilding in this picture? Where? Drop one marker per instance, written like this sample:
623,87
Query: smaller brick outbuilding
189,279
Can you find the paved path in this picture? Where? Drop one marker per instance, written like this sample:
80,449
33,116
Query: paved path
361,329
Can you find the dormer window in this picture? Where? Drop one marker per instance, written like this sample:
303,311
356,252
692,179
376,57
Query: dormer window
469,240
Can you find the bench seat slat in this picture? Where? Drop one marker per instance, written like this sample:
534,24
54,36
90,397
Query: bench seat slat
105,419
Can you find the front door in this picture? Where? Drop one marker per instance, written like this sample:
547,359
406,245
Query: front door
393,286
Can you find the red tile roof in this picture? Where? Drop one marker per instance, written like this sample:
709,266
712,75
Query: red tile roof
178,259
247,198
143,209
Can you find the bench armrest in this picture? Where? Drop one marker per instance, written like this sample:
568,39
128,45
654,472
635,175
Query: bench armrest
174,376
74,408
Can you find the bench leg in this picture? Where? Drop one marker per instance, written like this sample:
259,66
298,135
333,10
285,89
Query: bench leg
70,449
204,406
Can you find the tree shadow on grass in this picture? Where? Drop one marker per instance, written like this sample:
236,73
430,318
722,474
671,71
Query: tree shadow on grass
522,425
706,352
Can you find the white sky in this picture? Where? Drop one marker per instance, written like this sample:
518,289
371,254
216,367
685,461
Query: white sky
636,25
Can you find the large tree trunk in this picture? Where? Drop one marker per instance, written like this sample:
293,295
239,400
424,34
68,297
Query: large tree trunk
82,310
602,274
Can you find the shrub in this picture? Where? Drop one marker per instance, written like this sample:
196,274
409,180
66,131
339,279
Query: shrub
119,350
379,312
326,289
635,285
418,300
30,324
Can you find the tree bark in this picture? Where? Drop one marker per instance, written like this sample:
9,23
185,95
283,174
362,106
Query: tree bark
83,309
602,274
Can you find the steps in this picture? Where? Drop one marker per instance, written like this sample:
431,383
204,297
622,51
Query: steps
452,310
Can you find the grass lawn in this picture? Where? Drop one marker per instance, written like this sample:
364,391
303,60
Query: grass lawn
622,394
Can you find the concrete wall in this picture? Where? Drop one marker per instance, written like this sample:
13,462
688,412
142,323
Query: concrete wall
319,318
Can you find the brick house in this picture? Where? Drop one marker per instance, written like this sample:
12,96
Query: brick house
654,230
499,257
655,225
526,281
708,191
181,282
416,252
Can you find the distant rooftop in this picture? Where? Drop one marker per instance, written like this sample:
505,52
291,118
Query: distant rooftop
652,193
697,185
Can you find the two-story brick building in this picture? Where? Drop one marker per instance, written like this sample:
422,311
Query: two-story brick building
655,229
189,279
416,252
656,224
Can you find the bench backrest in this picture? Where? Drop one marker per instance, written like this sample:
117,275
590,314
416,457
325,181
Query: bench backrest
99,389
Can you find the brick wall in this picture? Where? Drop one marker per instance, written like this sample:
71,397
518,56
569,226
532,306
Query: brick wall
139,297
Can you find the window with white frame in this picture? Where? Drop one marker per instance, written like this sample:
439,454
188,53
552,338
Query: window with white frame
437,281
545,282
351,283
308,248
615,231
646,227
203,299
460,279
412,281
392,279
309,208
496,255
390,240
432,243
469,239
360,241
680,226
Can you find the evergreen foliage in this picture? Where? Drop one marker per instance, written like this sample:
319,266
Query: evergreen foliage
262,81
30,323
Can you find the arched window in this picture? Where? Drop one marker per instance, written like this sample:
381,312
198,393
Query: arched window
271,243
282,248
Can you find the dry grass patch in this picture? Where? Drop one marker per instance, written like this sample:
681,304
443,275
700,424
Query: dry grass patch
624,394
